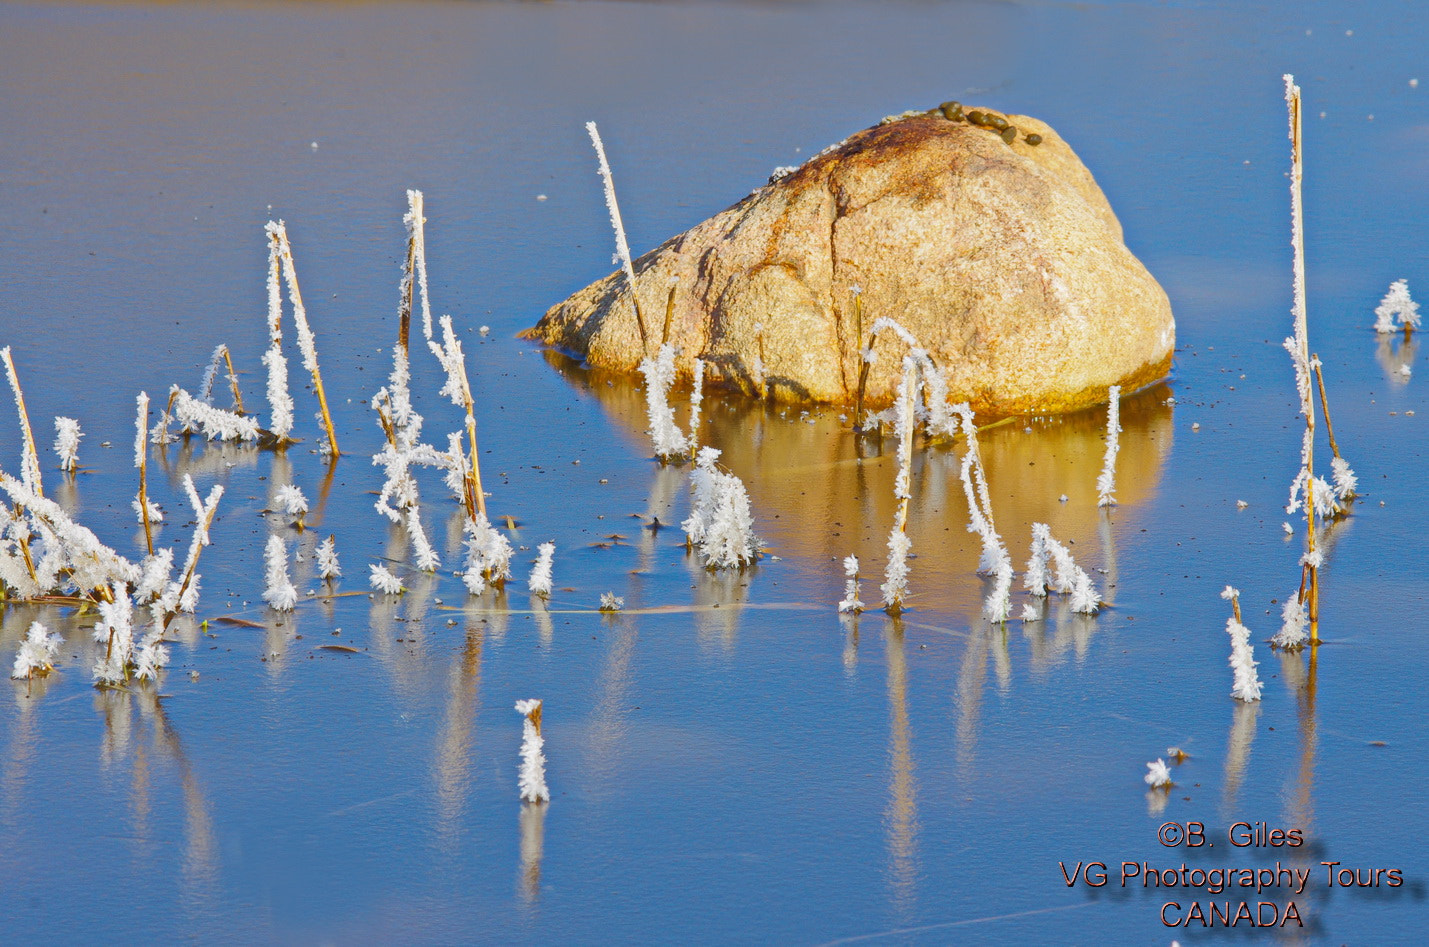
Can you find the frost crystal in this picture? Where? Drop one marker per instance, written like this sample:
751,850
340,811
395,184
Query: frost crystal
36,657
290,500
659,372
851,601
1345,480
328,566
488,555
1158,775
610,602
279,591
532,782
1106,483
1030,614
1246,684
1396,305
384,581
720,522
280,403
67,435
539,582
1294,616
622,250
215,423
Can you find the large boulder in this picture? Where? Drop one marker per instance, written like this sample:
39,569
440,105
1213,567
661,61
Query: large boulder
1003,259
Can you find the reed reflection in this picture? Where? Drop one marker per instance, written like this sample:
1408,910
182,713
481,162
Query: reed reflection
901,818
533,840
455,756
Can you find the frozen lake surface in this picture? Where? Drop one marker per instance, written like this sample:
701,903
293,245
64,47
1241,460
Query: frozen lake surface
728,758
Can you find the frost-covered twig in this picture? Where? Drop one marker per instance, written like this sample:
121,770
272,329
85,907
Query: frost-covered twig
995,559
1397,304
280,403
1299,344
328,566
278,591
141,461
720,522
30,459
851,603
458,388
292,503
307,343
1106,483
67,435
488,555
71,554
539,582
1071,579
1158,775
622,250
659,371
1242,660
1344,478
532,782
384,581
214,423
895,573
37,654
182,596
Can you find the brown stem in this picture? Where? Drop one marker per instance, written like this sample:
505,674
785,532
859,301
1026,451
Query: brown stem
862,380
1325,405
233,382
669,314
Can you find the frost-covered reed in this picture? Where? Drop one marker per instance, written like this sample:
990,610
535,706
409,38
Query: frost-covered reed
182,596
30,458
610,602
280,403
278,591
291,503
1345,481
895,573
384,581
1246,684
67,436
214,423
37,653
307,343
720,523
1158,775
220,356
532,780
851,603
995,559
622,249
1397,306
148,512
1106,483
328,566
488,555
1298,345
1069,579
45,551
539,582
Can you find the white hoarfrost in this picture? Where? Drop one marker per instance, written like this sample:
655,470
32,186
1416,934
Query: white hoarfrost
290,501
670,442
1158,775
1246,684
539,582
1396,310
532,781
720,523
37,654
67,435
1106,483
384,581
488,555
278,591
214,423
328,566
851,601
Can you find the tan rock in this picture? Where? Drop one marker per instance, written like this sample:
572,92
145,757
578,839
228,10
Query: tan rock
1005,261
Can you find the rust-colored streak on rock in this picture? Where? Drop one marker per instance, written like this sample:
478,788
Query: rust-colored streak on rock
1005,261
